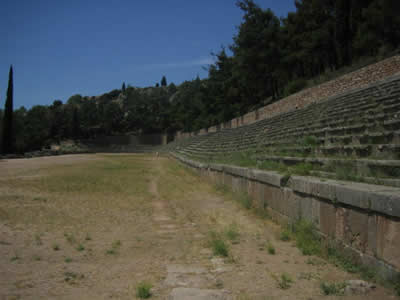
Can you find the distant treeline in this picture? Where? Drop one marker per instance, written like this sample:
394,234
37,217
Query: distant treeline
269,58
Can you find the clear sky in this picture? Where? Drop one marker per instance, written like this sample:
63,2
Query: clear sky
59,48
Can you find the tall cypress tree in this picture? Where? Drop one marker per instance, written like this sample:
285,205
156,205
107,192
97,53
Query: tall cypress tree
163,81
8,131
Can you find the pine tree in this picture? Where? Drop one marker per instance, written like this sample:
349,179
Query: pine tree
123,87
163,81
8,131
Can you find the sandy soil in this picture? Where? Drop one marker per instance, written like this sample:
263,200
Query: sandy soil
134,218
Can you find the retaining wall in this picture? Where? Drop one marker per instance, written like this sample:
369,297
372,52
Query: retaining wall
364,220
354,80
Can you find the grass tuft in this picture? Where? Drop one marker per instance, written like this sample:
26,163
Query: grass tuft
285,281
307,239
218,245
232,232
143,290
114,247
286,234
271,249
336,289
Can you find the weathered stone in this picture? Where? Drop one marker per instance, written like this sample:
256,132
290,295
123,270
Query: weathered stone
309,209
356,229
272,178
186,269
357,287
327,219
217,167
372,235
198,294
389,241
237,171
314,187
292,207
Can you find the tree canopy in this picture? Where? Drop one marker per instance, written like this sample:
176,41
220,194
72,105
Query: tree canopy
269,58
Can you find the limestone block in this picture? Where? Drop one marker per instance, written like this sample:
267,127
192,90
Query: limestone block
227,179
269,177
388,246
327,219
356,229
372,235
292,204
236,184
309,209
313,186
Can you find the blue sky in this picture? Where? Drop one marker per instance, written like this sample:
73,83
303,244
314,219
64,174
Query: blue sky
59,48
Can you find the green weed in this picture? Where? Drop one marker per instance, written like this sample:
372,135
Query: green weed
36,258
271,249
15,257
397,285
218,245
114,248
69,237
307,239
244,200
38,239
309,141
285,281
232,232
143,290
336,289
302,169
80,247
285,235
56,247
71,277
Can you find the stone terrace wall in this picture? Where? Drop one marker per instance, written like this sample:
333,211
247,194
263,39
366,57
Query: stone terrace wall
357,79
362,220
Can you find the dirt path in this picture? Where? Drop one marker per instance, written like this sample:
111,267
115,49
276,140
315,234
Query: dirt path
97,229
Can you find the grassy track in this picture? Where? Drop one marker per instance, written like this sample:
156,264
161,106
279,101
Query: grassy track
112,226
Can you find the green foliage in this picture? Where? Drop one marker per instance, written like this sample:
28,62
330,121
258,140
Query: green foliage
397,285
306,237
232,232
143,290
285,281
271,249
163,81
271,58
294,86
285,235
310,141
333,288
8,137
245,200
218,245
